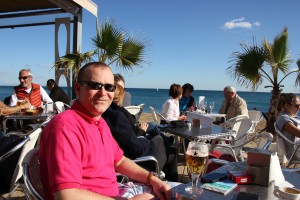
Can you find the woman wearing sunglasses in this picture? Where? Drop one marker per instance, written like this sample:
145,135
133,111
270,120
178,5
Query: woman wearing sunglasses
288,122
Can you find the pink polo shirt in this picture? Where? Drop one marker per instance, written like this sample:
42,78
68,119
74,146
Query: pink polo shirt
77,151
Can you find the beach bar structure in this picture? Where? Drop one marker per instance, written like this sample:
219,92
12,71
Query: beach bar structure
34,9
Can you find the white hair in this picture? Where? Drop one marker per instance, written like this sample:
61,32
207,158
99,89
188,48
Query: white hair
230,89
28,71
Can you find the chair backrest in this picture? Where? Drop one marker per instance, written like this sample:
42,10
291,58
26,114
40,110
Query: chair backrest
255,115
154,115
135,110
282,149
33,137
148,162
60,106
242,125
31,174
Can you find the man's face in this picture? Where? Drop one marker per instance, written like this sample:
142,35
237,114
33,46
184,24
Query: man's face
228,95
25,79
95,101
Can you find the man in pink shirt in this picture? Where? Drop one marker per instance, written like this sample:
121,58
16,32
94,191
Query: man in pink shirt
78,154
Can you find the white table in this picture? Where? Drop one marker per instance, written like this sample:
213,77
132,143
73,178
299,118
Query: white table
205,119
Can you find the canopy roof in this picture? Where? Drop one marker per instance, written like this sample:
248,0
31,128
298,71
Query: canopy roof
26,8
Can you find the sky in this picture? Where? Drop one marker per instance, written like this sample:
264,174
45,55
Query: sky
190,41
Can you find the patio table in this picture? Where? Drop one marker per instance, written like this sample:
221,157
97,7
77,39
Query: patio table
199,133
264,193
21,116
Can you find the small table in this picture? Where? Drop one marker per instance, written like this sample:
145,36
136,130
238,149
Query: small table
199,133
21,117
264,193
198,115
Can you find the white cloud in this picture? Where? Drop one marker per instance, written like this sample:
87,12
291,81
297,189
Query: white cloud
240,23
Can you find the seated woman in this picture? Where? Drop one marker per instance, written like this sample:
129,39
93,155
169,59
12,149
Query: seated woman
187,101
171,107
288,122
133,146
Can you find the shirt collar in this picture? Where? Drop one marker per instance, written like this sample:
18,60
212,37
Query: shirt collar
78,108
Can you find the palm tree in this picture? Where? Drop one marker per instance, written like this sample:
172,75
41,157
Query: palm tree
72,62
113,46
266,62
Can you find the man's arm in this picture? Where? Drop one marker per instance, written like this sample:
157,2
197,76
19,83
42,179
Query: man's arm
137,173
44,95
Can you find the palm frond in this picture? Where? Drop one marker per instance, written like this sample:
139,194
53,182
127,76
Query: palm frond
107,41
297,81
247,66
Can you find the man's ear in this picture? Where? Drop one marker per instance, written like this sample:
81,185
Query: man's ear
77,88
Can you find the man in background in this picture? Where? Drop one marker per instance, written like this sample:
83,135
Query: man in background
233,105
56,92
127,97
34,93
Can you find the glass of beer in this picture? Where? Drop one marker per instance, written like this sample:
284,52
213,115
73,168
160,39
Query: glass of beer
196,159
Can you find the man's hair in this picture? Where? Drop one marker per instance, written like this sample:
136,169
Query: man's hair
28,71
230,89
51,82
119,77
175,90
82,69
186,87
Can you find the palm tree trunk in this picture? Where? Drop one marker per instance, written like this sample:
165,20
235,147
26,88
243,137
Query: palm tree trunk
272,111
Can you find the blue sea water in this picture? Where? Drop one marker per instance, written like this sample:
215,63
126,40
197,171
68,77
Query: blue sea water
156,97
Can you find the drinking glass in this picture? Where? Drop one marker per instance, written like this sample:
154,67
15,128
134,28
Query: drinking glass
204,105
211,106
196,159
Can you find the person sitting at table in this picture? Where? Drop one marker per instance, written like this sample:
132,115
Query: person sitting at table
170,109
127,96
79,156
28,90
56,92
6,110
123,129
288,121
233,105
187,101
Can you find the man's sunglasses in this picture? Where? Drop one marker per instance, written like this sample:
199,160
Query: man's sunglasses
23,77
97,86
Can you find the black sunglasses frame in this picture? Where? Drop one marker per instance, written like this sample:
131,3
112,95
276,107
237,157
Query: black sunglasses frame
295,105
97,86
23,77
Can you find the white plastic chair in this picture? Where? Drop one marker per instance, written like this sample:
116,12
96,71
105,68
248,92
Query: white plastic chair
60,106
155,114
256,116
283,142
242,126
135,110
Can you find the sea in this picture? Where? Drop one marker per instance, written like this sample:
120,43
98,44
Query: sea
156,97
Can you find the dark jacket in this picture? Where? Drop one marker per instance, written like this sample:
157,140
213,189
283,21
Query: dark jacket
123,132
58,94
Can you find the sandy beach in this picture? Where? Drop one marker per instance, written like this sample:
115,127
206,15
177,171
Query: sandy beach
147,117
